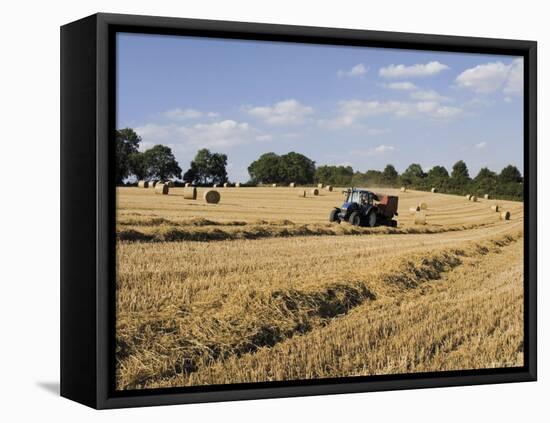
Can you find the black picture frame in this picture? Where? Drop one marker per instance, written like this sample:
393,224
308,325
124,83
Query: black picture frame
88,206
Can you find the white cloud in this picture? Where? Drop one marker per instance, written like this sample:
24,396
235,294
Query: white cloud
185,114
417,70
484,78
446,112
416,93
287,112
152,133
341,121
491,77
264,137
357,70
379,150
428,95
514,83
479,102
481,145
402,86
352,111
226,133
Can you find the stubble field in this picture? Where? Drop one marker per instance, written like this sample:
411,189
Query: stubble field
260,287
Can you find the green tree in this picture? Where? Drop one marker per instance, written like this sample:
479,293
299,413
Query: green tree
201,165
266,169
160,163
389,175
414,171
438,177
138,167
459,182
295,167
370,177
438,172
460,172
207,168
191,175
334,175
126,145
510,174
217,168
413,175
291,167
509,183
485,173
485,182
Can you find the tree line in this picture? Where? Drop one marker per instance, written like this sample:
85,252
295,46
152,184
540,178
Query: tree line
208,167
508,184
294,167
159,162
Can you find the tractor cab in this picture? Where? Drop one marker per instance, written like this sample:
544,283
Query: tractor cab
357,196
366,208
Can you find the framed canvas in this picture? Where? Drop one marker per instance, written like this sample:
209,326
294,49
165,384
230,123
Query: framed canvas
257,211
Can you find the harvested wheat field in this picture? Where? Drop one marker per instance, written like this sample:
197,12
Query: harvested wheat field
260,287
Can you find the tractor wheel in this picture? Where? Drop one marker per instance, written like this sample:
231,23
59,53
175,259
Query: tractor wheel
371,219
333,216
355,219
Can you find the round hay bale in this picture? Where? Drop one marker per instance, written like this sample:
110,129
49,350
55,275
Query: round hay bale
226,184
302,193
190,193
473,198
420,218
486,196
468,196
169,183
292,185
211,196
143,184
161,189
314,191
403,189
238,185
215,185
495,207
434,190
187,184
422,206
274,185
153,184
319,185
413,210
329,188
505,215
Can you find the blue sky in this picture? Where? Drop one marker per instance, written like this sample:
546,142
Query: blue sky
364,107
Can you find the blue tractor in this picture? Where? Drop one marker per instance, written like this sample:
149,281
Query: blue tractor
366,208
